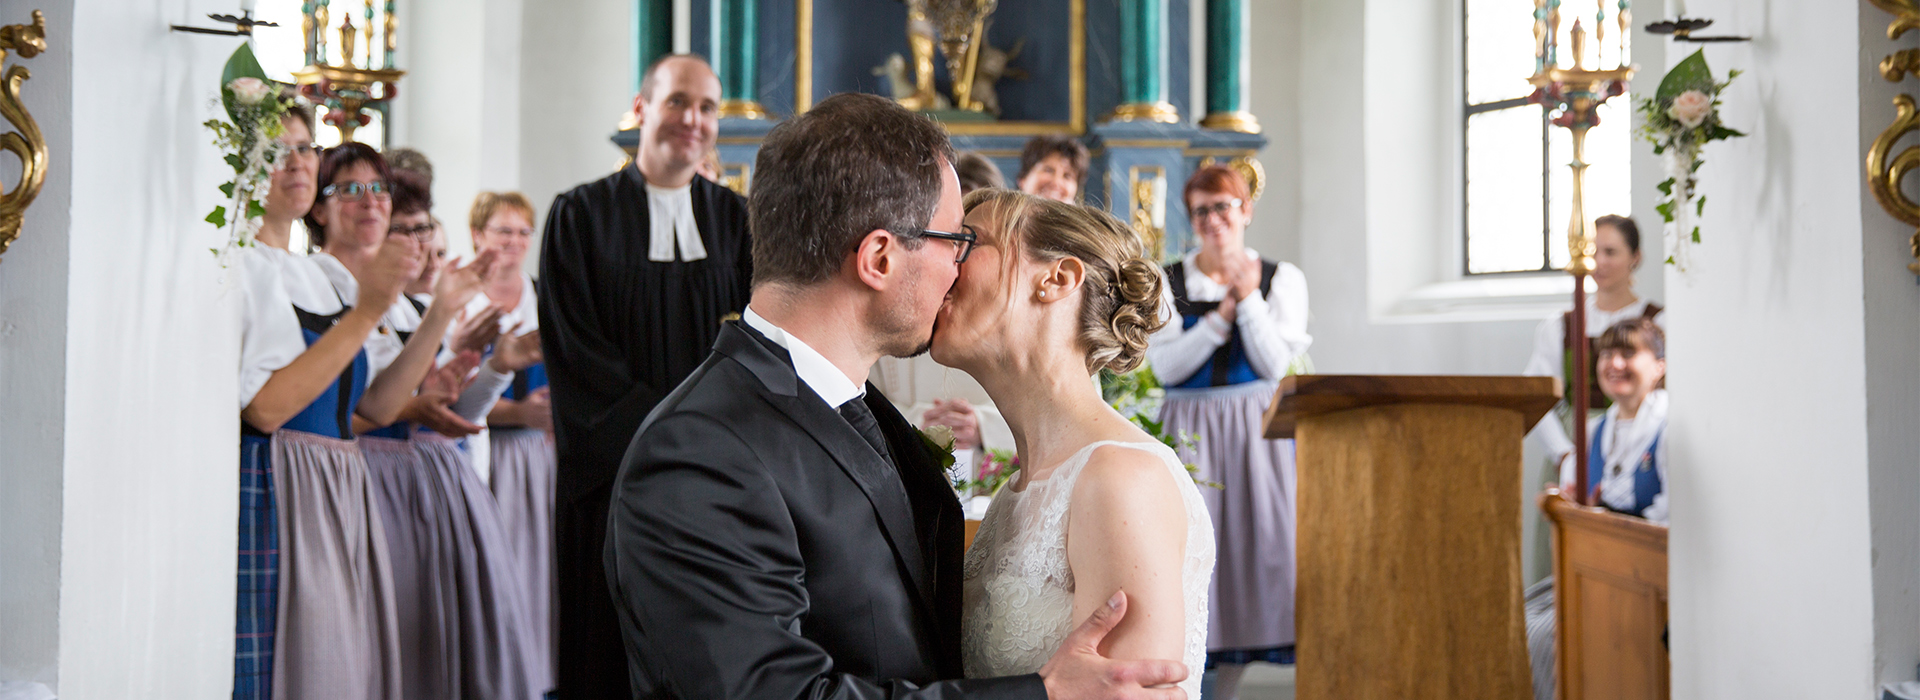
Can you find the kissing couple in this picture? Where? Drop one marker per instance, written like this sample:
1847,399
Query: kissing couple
778,530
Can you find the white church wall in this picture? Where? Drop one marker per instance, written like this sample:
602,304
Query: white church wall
147,495
33,361
1776,522
459,103
573,90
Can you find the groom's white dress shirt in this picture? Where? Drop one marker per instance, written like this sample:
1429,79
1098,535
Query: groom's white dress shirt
821,375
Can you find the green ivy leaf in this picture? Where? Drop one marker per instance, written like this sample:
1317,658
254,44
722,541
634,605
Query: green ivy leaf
1666,211
1700,206
218,218
227,190
1669,260
234,160
1665,187
1696,234
1690,73
255,209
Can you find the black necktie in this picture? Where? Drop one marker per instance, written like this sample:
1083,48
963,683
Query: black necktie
863,422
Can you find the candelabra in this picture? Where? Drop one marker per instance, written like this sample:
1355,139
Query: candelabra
1574,95
348,81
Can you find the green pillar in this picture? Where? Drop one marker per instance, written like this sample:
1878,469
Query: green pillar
652,35
1143,63
1227,67
736,35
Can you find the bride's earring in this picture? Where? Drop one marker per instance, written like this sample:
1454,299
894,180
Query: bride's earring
1043,293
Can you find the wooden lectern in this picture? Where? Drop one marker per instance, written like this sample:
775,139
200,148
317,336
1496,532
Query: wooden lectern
1409,533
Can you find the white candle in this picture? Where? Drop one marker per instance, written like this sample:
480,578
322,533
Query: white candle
1679,8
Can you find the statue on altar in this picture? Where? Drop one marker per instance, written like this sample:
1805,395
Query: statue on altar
959,28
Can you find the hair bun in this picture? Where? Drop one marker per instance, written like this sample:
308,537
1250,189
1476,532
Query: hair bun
1137,297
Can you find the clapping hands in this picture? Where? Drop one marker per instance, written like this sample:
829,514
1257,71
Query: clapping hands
431,407
958,415
458,285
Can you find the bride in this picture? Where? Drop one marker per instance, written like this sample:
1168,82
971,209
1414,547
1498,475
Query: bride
1051,294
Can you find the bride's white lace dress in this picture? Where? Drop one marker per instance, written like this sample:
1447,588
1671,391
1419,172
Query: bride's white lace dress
1019,590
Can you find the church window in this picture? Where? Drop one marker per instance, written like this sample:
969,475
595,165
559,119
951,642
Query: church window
1517,187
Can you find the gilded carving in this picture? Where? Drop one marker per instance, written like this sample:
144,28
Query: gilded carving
27,41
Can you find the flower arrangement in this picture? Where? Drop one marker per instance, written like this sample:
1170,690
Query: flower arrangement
1682,116
1136,395
250,141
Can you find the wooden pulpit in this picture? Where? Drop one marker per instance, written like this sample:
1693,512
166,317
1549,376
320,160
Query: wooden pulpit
1610,595
1409,533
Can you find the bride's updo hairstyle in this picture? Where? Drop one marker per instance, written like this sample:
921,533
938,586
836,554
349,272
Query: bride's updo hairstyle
1121,295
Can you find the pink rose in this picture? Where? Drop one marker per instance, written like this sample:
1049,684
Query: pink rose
248,91
1690,108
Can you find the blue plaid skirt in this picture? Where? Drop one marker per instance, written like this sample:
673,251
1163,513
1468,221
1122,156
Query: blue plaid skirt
259,583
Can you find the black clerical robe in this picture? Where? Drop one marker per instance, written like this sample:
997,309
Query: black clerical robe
618,332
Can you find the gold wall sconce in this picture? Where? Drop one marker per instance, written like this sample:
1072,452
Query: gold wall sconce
27,41
1885,169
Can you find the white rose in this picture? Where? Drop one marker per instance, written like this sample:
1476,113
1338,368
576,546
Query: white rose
940,435
1690,108
248,91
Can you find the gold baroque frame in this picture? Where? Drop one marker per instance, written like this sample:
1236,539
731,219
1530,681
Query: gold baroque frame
26,40
1076,78
1885,170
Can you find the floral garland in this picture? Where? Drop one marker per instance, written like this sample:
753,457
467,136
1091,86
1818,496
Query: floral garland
1682,116
250,142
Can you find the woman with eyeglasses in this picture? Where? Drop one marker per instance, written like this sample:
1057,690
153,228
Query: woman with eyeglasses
315,604
520,424
460,620
1242,326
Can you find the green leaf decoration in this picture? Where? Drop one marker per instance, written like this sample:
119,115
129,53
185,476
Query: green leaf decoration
234,160
227,189
1669,260
1666,210
1665,187
255,209
242,64
1689,74
1696,234
1700,206
218,218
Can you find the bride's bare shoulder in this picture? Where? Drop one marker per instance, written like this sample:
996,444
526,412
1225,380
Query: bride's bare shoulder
1127,475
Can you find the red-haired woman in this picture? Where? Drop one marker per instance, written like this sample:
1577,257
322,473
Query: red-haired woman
1242,325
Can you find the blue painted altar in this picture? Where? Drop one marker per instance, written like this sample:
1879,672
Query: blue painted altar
1114,73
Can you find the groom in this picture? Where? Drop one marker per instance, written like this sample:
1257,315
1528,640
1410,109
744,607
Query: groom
779,531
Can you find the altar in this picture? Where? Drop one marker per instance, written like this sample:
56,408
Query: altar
1116,75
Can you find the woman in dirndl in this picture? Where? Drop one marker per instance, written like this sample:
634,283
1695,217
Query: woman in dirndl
462,620
315,615
520,425
1242,324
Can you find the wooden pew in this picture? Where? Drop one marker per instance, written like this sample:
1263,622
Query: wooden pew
1610,590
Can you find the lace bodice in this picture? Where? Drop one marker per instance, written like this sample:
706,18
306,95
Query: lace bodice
1019,589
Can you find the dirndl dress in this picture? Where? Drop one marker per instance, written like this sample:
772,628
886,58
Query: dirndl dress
1221,404
522,484
465,627
315,615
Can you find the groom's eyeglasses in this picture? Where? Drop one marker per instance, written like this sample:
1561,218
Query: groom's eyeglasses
963,241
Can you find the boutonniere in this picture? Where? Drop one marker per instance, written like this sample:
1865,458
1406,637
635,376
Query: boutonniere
939,442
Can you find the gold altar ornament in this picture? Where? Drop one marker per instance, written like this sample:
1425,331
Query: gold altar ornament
26,142
1885,170
360,75
961,25
1147,185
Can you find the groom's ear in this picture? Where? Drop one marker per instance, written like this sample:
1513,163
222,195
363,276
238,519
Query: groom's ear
877,259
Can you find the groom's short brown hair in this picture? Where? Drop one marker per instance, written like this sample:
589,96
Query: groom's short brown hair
826,178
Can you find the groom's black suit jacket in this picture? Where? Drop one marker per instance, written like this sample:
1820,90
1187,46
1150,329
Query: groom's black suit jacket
758,547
